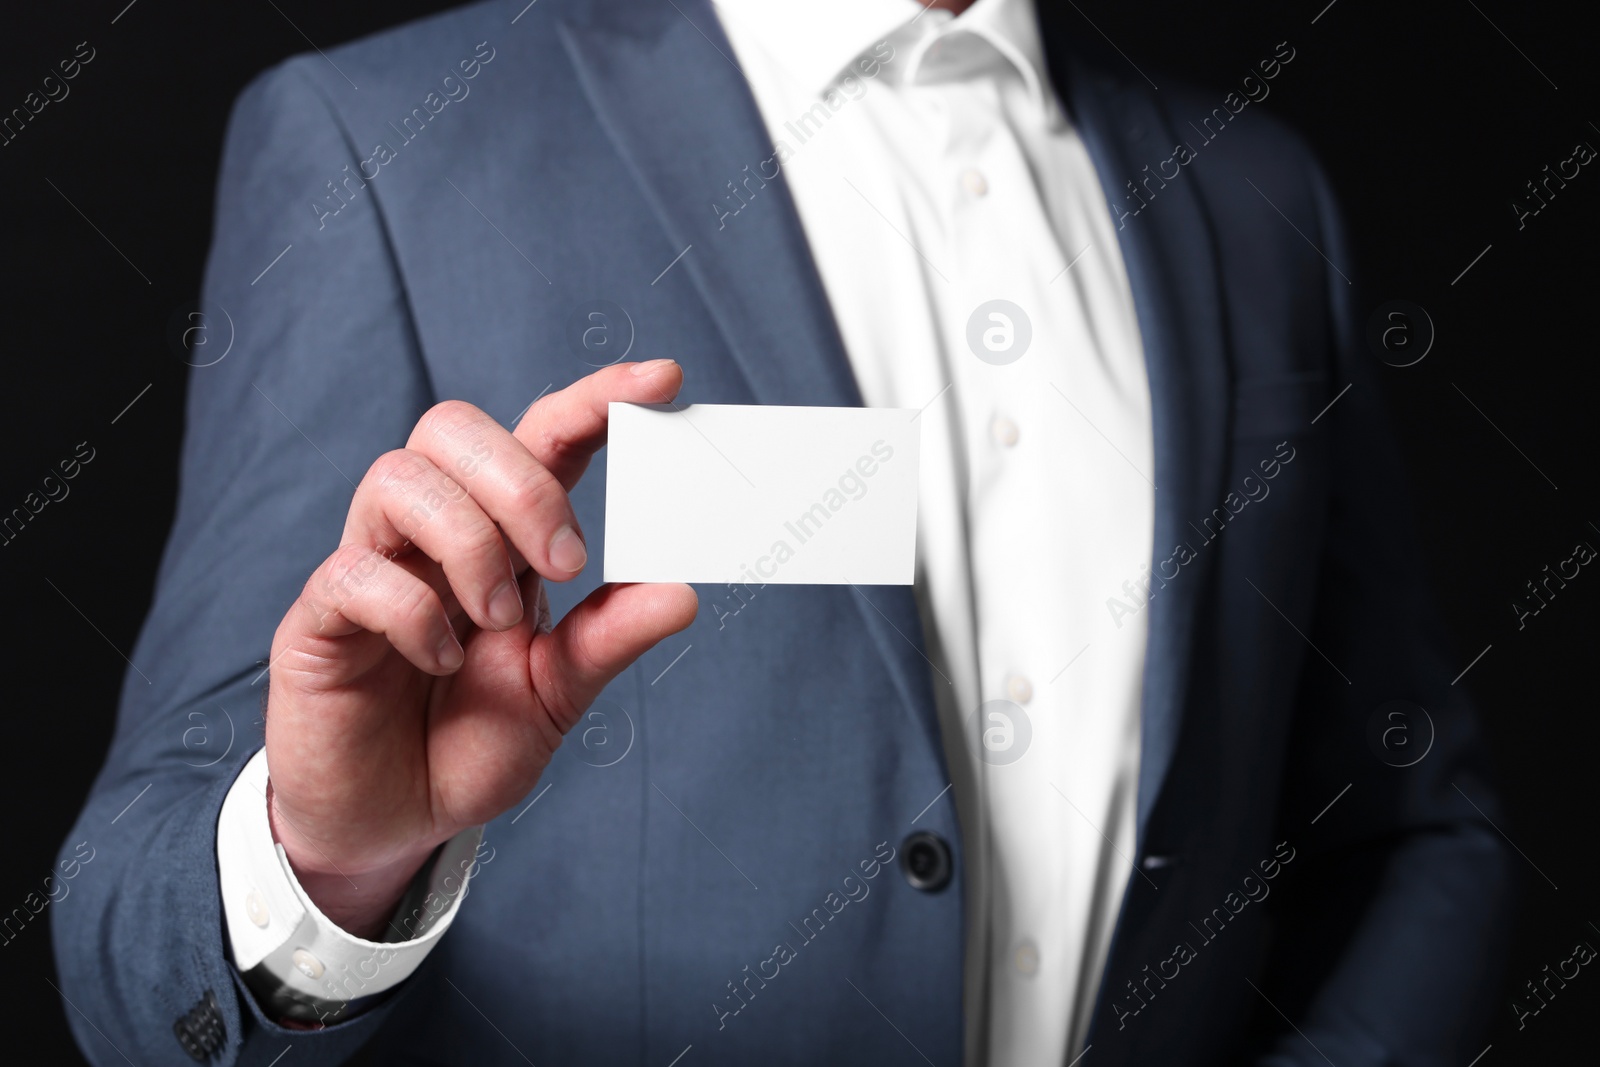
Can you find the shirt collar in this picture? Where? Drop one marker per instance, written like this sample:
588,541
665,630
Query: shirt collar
817,41
1012,27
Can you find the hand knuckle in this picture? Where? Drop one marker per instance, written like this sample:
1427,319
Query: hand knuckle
413,601
393,471
480,540
555,447
331,585
347,561
447,418
530,490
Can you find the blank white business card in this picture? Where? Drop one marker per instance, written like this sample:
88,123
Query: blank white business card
717,493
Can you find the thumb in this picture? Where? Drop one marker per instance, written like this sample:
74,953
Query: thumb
601,637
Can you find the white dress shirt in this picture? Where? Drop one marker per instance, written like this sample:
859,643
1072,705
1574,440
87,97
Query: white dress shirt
935,173
929,186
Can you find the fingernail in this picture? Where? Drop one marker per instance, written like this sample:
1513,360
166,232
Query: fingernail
505,605
566,550
651,366
449,652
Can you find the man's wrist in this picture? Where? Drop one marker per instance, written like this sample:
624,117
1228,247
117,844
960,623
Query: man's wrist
361,902
299,964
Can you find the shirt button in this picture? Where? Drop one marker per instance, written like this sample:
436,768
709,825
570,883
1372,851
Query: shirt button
256,908
1026,958
1019,689
306,963
1004,431
974,181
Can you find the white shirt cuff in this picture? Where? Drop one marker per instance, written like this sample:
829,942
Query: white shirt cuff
307,966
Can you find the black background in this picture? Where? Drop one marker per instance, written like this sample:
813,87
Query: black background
1428,117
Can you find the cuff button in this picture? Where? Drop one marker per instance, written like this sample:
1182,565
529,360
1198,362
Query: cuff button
201,1031
306,963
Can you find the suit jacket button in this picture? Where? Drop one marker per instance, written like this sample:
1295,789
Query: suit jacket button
925,861
185,1037
201,1032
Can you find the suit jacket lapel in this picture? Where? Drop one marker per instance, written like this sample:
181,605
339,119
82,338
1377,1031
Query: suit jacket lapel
682,117
1170,255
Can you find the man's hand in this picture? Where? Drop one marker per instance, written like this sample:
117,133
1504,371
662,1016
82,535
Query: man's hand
417,685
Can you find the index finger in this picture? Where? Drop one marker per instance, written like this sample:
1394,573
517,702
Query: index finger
565,429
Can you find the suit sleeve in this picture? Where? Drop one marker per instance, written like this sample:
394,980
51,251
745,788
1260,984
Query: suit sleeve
1391,948
313,371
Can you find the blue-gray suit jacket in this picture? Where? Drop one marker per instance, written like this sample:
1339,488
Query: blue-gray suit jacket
594,143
